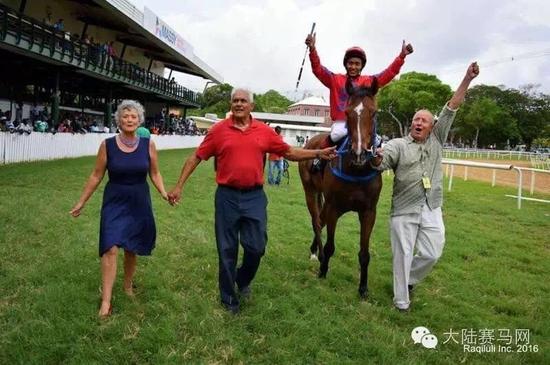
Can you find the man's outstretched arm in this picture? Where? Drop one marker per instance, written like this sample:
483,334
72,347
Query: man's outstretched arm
460,93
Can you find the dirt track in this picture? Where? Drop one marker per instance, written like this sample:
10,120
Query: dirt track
505,177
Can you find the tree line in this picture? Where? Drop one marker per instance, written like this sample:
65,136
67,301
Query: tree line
216,100
491,116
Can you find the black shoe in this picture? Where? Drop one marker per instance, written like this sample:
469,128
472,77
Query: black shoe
245,292
233,309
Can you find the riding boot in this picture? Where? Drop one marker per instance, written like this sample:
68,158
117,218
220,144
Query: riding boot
318,163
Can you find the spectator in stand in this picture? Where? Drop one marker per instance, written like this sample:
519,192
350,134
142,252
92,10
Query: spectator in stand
59,25
2,120
111,52
77,127
9,126
41,126
62,127
18,112
24,127
34,112
143,132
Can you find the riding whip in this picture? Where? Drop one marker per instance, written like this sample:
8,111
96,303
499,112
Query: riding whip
304,60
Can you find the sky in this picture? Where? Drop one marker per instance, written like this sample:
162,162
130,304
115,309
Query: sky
259,44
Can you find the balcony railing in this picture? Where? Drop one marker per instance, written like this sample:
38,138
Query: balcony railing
28,33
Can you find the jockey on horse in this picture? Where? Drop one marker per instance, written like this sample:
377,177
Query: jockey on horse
354,62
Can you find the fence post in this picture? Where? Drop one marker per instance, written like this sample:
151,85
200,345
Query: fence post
532,181
465,173
494,177
520,184
451,177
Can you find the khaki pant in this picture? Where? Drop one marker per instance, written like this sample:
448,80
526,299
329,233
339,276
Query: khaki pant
424,231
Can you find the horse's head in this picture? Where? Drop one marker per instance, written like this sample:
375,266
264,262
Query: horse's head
361,114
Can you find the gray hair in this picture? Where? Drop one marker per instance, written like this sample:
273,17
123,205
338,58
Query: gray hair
434,118
130,105
250,94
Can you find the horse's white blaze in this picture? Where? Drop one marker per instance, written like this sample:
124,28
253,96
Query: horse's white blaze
358,109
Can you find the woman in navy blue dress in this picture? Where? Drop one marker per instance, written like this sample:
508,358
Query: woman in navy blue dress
127,220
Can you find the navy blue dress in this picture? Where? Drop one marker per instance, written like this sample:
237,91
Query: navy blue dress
126,214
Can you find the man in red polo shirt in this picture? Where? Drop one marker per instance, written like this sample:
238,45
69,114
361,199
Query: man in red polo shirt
239,144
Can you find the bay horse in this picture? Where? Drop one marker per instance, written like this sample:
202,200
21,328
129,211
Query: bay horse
329,196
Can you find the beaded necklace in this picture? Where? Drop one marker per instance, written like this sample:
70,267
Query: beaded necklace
128,142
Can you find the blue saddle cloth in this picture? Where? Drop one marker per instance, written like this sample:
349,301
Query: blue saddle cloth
338,171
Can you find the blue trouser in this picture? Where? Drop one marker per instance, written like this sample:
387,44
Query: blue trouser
239,215
274,172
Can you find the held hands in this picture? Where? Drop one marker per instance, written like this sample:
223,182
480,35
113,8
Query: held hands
174,196
473,71
310,41
406,49
327,153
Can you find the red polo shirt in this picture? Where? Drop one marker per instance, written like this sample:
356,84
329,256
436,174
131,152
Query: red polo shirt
240,154
274,157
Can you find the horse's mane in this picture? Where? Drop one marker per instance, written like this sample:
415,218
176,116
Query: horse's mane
362,91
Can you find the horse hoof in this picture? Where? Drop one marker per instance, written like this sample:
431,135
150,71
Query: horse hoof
313,257
364,295
322,275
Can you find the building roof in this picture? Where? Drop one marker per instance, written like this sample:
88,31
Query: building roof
283,126
312,100
148,31
297,119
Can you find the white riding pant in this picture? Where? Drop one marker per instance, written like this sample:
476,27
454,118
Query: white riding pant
424,231
339,130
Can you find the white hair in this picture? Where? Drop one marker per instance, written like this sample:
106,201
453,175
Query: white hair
248,92
434,118
130,105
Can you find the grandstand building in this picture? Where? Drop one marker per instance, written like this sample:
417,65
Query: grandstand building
313,106
86,55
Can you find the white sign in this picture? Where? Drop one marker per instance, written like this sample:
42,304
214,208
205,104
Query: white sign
162,31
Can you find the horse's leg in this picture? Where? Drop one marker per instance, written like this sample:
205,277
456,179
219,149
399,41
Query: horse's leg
314,212
366,219
330,217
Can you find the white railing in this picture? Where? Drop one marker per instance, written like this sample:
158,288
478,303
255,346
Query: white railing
487,154
495,167
519,197
47,146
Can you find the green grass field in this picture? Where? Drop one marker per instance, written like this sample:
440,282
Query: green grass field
493,275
